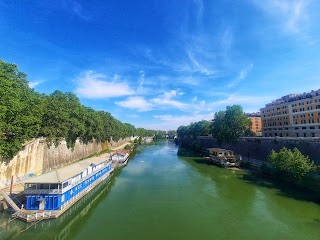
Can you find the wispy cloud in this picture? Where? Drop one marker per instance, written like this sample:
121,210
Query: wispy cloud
173,122
200,9
137,102
248,102
167,100
33,84
97,85
78,10
292,14
241,76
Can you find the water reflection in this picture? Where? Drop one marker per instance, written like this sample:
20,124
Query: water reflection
61,228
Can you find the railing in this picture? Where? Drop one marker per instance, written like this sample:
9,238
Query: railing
42,191
34,215
9,200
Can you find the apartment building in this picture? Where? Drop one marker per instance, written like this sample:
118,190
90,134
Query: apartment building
294,115
256,126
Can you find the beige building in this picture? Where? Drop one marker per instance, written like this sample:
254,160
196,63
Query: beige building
256,126
294,115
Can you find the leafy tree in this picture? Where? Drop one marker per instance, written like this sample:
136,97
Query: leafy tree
230,124
292,162
20,110
201,128
25,114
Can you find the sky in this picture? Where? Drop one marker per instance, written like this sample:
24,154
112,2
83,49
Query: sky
160,64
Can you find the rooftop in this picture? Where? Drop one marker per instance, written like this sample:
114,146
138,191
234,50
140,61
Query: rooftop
62,174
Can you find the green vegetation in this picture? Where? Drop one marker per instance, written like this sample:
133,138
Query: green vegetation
25,114
201,128
230,124
227,126
160,135
293,164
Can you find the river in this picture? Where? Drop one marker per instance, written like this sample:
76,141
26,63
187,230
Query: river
163,195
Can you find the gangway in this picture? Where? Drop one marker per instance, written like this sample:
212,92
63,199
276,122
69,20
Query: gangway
9,200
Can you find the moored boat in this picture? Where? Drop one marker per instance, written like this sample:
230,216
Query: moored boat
223,157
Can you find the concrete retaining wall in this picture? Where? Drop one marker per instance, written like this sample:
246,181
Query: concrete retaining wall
259,148
36,158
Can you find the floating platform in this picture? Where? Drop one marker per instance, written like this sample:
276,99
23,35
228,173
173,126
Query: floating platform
53,193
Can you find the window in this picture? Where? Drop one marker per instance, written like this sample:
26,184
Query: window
296,128
309,108
304,134
302,109
311,127
297,134
304,128
318,107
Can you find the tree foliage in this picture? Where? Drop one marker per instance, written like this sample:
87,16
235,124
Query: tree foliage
201,128
230,124
20,109
25,114
292,162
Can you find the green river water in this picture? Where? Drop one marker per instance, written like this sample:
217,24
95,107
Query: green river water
163,195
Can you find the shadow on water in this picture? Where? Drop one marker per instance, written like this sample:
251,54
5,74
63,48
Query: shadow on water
284,189
66,225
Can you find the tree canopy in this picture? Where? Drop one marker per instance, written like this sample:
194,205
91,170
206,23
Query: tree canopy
230,124
292,162
227,125
25,114
201,128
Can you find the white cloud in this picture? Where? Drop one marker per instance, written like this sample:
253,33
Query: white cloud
96,85
171,122
137,102
252,102
241,76
166,100
33,84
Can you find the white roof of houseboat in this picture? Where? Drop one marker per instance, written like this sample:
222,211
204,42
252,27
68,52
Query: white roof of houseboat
62,174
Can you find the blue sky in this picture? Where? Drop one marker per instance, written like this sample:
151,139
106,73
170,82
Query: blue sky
160,64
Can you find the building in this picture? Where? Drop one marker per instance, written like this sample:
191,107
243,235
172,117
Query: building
256,126
120,156
294,115
59,188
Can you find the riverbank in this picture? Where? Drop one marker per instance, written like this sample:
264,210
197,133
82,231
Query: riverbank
163,195
263,170
17,188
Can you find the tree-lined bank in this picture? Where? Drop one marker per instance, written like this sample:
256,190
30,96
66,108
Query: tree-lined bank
26,114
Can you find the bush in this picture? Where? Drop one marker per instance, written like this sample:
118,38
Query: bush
294,163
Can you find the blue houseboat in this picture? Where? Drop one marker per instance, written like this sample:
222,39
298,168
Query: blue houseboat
60,188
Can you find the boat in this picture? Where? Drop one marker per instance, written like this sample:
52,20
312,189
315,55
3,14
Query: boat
51,194
223,157
120,158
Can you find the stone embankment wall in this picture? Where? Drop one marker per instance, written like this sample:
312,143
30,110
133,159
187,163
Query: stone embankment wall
36,158
259,148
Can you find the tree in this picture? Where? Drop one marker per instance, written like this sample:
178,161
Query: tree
25,114
20,110
292,162
230,124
